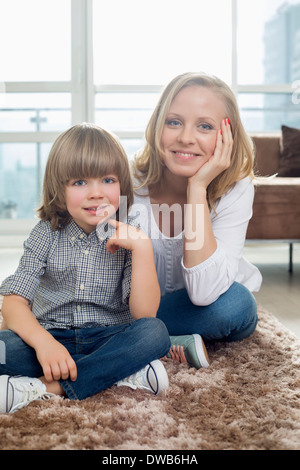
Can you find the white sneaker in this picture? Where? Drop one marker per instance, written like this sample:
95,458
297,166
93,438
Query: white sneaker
18,392
153,378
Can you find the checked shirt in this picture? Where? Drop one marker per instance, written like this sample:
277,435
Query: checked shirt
70,278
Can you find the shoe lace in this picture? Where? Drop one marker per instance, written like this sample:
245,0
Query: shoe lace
137,380
29,392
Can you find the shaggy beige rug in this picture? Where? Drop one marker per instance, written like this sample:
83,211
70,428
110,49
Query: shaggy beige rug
248,399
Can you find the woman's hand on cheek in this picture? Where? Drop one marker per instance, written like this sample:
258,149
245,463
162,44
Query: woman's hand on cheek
219,161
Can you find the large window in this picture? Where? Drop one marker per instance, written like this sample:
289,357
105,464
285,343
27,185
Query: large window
268,63
148,43
68,61
35,99
35,40
138,46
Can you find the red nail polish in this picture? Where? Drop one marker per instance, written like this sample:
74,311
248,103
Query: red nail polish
228,122
221,132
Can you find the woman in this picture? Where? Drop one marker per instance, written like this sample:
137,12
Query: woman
194,196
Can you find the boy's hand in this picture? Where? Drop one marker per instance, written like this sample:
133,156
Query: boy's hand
125,236
56,361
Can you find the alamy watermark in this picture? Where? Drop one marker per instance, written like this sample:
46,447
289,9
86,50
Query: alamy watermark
170,217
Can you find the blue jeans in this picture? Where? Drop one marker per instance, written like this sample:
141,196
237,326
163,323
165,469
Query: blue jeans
102,355
232,317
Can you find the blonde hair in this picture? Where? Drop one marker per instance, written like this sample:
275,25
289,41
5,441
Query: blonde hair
83,151
148,166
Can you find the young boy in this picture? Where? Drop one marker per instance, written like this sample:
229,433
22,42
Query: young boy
80,309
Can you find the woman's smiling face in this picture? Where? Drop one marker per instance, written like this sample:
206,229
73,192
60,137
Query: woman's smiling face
189,136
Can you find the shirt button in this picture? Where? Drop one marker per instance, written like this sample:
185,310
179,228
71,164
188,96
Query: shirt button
72,239
81,236
82,286
78,308
86,252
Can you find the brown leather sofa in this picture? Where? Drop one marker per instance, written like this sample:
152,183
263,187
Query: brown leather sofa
276,209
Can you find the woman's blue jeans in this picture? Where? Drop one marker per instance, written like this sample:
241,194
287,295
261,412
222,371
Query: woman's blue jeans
102,355
232,317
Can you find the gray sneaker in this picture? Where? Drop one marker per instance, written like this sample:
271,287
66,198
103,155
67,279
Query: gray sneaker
18,392
194,349
153,378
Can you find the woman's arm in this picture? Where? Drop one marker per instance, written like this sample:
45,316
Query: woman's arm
144,296
197,216
210,267
206,281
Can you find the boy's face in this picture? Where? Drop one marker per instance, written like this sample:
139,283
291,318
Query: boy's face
91,201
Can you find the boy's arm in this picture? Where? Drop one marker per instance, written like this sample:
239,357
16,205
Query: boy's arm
53,356
145,291
144,296
19,318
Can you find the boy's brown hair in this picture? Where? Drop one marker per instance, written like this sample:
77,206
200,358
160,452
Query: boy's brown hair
83,151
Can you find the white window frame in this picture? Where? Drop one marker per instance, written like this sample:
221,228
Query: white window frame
278,88
14,231
83,89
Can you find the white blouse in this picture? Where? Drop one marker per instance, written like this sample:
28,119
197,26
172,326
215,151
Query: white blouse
208,280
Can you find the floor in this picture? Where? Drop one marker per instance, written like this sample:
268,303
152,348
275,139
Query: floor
280,291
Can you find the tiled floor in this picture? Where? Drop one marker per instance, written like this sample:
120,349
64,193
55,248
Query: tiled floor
280,292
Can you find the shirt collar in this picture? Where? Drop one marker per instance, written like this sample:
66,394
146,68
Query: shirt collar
75,233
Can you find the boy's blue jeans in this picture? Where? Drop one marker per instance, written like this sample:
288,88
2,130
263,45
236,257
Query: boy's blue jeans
105,355
102,355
